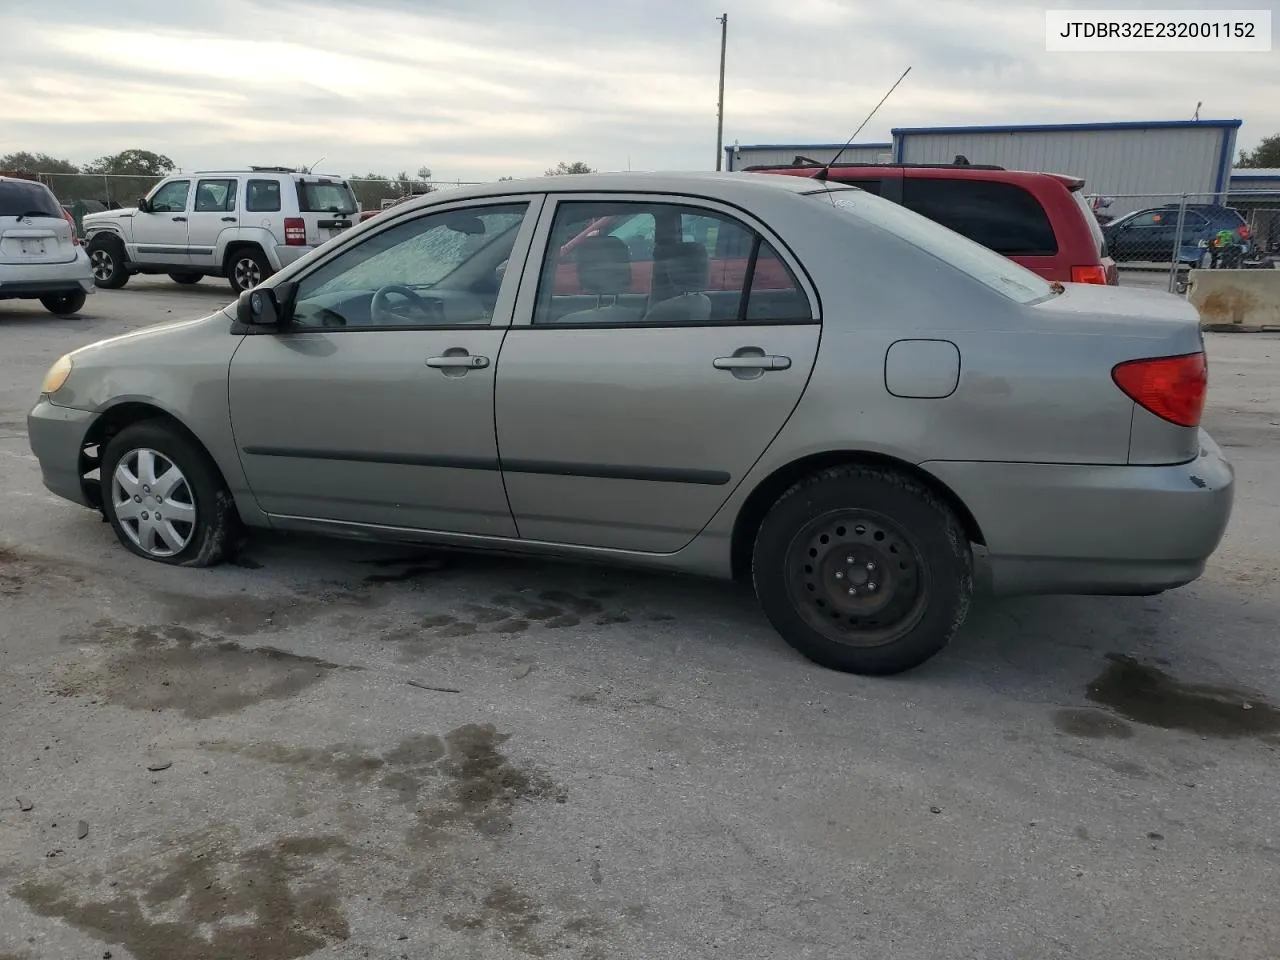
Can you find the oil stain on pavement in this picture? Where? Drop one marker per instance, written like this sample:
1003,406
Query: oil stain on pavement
1147,695
177,668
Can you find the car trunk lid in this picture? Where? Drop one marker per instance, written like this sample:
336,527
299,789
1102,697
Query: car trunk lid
327,207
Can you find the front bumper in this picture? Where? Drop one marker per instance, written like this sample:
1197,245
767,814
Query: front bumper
56,435
1096,529
31,280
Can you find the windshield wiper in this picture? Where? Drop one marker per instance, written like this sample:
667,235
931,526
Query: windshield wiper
34,213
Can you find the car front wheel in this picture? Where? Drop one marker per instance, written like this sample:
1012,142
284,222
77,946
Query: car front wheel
165,499
863,570
107,258
64,304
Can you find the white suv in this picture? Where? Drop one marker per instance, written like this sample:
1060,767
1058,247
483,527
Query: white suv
40,255
240,224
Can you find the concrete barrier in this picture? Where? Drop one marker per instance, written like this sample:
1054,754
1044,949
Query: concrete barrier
1236,300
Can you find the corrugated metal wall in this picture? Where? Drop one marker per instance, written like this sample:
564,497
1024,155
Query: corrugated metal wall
778,156
1164,161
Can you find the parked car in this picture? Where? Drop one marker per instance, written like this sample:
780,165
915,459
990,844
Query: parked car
40,255
240,224
1040,220
910,413
1150,234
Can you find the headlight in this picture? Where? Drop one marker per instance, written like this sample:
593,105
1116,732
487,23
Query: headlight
57,375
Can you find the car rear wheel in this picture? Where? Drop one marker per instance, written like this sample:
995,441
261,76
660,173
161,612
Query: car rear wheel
246,268
107,257
165,499
64,304
186,279
863,570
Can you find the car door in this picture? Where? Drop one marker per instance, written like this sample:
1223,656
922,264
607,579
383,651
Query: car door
214,209
628,424
160,234
1147,236
374,405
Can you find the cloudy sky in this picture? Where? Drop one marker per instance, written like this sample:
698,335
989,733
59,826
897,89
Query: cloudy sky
476,89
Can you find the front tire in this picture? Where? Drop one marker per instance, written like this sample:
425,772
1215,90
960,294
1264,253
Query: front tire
863,570
165,499
64,304
107,257
246,268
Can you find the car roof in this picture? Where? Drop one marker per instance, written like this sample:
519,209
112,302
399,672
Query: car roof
726,186
932,171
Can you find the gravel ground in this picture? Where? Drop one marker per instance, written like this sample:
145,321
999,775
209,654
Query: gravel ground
346,751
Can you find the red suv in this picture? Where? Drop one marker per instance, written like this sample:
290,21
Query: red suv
1040,220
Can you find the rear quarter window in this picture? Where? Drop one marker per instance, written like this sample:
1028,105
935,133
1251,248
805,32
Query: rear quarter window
1000,216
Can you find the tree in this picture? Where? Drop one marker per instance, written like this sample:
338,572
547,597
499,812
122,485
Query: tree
25,162
1267,153
133,163
562,168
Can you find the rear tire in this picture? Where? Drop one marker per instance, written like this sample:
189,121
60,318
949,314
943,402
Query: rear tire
110,269
64,304
186,279
246,268
863,570
165,499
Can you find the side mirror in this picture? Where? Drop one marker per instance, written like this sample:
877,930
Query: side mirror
143,205
266,306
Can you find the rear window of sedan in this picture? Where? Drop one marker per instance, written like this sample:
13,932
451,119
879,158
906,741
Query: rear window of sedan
989,268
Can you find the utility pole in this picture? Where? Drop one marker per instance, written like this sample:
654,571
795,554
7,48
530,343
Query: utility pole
724,40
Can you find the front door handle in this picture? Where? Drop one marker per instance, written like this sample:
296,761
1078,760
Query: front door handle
228,219
750,362
463,361
179,219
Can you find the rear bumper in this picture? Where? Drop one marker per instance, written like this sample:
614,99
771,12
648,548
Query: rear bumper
1081,529
283,256
56,435
29,280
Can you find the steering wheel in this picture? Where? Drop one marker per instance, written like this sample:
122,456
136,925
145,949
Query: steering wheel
383,313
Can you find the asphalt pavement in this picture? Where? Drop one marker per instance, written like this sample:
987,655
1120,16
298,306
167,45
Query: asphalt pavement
333,750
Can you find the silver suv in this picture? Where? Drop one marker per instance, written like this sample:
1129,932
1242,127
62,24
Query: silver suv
40,256
240,224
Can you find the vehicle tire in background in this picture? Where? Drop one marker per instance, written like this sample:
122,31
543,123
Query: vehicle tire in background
246,268
64,304
106,254
186,279
165,499
863,570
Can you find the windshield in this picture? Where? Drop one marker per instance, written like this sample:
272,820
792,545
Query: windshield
22,199
326,198
987,267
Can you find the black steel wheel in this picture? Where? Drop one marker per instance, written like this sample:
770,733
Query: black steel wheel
863,570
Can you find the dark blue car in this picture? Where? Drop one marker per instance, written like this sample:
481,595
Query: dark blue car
1150,234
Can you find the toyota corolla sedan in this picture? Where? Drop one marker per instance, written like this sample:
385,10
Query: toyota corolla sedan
866,415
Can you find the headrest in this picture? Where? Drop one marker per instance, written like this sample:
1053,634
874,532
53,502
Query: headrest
604,266
686,265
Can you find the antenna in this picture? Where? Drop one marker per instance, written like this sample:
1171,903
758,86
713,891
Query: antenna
314,165
823,173
1199,104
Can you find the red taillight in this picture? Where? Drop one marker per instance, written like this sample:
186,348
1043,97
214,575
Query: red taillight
1173,388
1094,273
71,221
295,232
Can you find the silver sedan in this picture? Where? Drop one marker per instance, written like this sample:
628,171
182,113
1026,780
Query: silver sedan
774,379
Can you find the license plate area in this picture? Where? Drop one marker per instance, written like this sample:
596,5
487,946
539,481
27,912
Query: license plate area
31,248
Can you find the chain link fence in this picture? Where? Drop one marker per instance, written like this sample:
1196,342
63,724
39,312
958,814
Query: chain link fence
1159,237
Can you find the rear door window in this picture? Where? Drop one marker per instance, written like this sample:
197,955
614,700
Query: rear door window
19,198
1000,216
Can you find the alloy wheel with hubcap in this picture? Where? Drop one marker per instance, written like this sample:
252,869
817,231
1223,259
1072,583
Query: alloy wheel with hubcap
246,269
153,502
104,264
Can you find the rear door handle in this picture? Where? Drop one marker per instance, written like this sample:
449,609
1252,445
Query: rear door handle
464,361
179,219
752,363
228,219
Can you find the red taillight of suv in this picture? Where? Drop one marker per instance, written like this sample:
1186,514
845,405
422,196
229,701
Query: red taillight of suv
71,222
295,232
1173,388
1094,273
